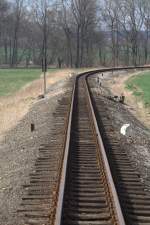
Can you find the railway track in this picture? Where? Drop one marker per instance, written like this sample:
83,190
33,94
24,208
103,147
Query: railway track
134,200
94,185
89,194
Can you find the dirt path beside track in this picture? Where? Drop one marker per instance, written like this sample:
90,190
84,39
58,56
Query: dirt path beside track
117,87
13,108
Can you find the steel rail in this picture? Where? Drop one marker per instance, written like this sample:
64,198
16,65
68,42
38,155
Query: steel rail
59,206
64,167
116,203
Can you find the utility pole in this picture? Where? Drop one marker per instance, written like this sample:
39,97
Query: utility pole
44,58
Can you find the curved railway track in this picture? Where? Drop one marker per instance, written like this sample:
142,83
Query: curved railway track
95,185
89,193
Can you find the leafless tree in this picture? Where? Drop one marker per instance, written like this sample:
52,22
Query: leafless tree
74,32
84,17
17,15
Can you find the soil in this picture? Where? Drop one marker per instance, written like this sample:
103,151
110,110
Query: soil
136,107
13,108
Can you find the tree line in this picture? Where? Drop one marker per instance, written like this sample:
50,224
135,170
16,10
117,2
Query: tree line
74,33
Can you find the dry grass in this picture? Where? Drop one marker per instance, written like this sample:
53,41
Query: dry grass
13,108
118,86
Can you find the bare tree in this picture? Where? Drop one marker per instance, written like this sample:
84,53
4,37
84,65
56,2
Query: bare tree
110,14
41,10
135,23
65,23
146,25
74,32
84,15
18,10
4,15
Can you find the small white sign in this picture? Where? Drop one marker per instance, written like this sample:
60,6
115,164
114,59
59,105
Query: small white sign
124,128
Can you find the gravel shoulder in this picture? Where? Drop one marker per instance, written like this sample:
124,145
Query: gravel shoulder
19,147
14,108
136,142
117,86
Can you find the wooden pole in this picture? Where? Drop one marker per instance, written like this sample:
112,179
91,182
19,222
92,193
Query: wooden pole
45,48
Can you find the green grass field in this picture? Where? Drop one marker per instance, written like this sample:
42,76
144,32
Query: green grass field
140,86
12,80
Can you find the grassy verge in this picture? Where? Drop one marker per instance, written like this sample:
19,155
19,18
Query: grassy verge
140,86
12,80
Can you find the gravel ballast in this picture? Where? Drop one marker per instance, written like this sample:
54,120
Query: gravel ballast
136,142
20,148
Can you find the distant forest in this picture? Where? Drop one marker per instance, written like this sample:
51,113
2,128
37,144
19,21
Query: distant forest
74,33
